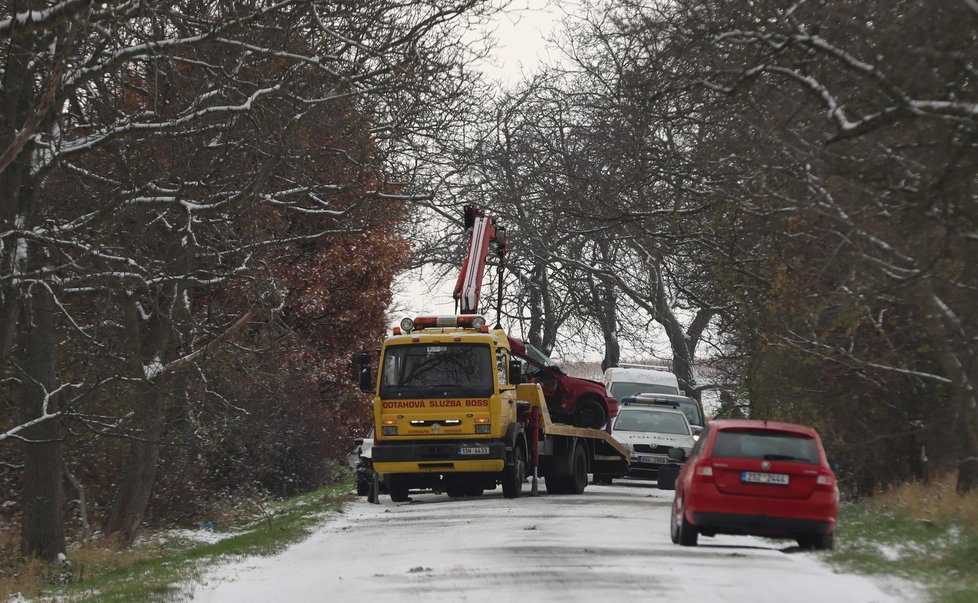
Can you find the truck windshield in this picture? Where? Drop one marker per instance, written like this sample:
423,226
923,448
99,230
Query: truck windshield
437,371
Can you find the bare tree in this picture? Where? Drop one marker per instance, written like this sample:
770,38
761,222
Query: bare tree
154,153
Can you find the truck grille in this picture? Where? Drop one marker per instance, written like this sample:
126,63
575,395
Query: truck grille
445,422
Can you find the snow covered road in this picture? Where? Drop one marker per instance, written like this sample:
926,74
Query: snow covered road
609,544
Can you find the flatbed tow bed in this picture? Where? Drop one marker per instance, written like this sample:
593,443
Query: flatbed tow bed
605,454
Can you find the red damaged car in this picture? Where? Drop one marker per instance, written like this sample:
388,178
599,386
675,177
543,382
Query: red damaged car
580,402
761,478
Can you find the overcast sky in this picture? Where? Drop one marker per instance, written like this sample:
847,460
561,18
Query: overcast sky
521,47
521,34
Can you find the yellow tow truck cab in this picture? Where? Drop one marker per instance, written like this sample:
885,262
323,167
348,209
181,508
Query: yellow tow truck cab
452,414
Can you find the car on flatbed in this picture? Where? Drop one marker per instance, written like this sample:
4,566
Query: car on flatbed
650,432
753,477
571,400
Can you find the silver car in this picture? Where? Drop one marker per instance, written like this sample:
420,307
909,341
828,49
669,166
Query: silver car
649,432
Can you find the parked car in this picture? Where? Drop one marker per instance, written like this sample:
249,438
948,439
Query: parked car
580,402
762,478
650,432
689,406
628,380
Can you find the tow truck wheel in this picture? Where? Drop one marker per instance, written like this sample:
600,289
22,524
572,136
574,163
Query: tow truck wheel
398,488
556,484
590,413
514,474
578,479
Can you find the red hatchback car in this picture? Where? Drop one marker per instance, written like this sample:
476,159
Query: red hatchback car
761,478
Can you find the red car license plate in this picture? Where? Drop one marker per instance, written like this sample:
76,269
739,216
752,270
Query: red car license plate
752,477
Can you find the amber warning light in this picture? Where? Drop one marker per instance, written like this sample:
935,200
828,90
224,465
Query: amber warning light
464,321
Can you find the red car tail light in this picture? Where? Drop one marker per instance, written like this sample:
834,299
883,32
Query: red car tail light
703,472
825,481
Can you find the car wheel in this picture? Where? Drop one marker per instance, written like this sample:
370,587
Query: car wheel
515,474
673,522
365,475
590,413
826,542
823,542
456,491
682,532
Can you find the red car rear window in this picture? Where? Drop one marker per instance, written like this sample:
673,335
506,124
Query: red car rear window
767,445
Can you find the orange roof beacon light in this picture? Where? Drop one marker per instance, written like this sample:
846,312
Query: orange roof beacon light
467,321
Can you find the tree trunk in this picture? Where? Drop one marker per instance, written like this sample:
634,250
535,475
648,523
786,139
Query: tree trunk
139,470
147,343
682,354
954,350
42,494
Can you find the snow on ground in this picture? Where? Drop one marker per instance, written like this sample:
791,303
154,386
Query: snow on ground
611,543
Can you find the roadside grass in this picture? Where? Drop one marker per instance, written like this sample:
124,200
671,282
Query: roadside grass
158,568
925,533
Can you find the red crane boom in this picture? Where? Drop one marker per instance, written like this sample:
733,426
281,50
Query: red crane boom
483,230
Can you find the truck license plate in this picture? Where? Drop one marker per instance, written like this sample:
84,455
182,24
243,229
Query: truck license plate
779,479
473,450
652,460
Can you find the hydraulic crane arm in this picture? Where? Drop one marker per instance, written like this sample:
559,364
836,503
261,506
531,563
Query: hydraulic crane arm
482,231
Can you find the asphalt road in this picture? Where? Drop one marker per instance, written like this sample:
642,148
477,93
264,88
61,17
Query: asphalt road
609,544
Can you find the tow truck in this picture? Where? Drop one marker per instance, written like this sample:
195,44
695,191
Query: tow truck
453,414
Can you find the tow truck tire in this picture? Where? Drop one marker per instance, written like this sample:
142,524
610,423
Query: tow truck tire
590,413
515,474
577,481
398,488
556,484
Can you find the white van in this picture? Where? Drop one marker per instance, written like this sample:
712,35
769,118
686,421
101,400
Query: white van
626,380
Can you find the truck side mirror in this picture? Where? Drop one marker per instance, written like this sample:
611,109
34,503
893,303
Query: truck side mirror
361,364
515,372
